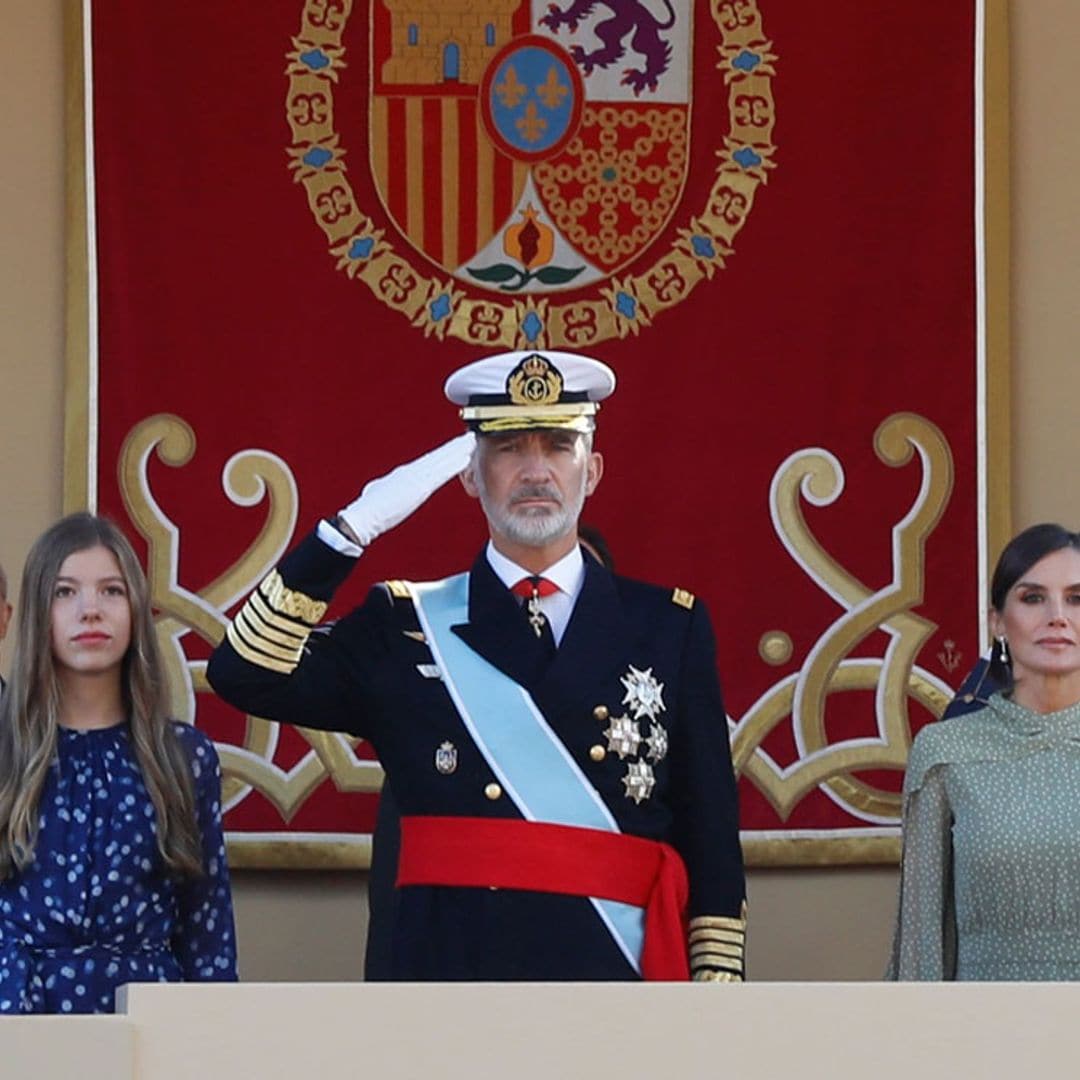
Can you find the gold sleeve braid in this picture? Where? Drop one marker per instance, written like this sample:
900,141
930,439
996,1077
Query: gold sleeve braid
717,947
272,627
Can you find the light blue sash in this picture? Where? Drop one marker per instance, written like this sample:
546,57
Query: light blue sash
531,762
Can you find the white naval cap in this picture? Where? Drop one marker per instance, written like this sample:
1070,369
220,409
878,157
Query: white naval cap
516,391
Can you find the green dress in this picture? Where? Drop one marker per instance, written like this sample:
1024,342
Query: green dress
990,876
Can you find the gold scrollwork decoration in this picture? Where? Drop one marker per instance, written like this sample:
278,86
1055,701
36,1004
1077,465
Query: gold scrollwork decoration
816,476
249,478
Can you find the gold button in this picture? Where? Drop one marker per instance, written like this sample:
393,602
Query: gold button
493,791
597,752
600,712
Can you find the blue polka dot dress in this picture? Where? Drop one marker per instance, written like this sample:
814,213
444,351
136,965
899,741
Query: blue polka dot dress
990,881
96,908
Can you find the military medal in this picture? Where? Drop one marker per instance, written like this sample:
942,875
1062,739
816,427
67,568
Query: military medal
530,589
623,736
657,741
639,780
536,616
644,695
446,758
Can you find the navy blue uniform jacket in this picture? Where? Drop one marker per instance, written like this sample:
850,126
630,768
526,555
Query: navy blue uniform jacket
369,674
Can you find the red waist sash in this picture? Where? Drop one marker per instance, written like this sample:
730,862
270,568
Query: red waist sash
567,859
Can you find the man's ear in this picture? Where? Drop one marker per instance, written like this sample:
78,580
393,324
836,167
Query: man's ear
468,479
594,470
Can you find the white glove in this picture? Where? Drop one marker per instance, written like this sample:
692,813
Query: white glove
390,499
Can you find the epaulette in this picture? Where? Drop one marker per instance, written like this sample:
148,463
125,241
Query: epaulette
682,598
399,590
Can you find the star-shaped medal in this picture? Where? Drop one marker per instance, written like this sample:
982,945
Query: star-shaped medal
658,741
644,695
623,736
639,780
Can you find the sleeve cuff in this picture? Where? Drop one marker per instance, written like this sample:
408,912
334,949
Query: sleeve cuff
330,536
718,947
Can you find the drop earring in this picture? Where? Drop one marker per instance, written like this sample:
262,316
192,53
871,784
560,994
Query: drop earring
1003,645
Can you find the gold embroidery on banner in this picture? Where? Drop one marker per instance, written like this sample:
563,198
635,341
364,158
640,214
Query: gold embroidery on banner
290,602
250,477
634,150
299,854
630,182
829,668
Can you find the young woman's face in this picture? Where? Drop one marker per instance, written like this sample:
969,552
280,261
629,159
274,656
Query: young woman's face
90,614
1040,619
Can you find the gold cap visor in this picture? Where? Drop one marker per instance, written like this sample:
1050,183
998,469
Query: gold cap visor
488,419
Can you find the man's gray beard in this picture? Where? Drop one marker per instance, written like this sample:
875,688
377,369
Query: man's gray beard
534,527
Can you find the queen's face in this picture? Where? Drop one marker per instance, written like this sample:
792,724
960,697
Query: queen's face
1040,619
90,617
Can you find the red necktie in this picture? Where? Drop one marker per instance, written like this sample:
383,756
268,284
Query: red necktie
528,587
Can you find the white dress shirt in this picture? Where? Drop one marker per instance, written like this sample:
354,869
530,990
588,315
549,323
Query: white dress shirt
568,574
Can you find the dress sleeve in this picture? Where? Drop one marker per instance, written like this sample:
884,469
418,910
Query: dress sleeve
924,942
705,805
204,941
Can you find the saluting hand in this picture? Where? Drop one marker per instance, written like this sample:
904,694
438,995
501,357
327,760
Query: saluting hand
390,499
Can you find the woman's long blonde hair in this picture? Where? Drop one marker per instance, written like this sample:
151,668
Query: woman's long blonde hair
30,706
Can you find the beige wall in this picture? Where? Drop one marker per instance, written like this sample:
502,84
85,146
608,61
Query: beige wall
805,923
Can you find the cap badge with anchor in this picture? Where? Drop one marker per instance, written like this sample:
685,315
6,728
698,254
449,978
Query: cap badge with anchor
526,390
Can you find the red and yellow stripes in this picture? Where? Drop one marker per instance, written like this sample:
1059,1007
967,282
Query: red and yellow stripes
442,181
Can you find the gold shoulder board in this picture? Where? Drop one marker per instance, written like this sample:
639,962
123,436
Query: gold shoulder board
682,598
398,589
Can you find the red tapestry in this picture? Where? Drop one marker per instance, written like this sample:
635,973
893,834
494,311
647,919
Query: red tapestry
759,212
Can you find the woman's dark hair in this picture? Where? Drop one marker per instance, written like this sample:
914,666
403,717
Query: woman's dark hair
593,539
1021,553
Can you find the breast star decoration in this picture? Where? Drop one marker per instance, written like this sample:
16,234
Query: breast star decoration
639,780
657,741
644,694
623,736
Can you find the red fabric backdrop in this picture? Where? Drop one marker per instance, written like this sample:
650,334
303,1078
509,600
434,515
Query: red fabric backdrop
849,297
